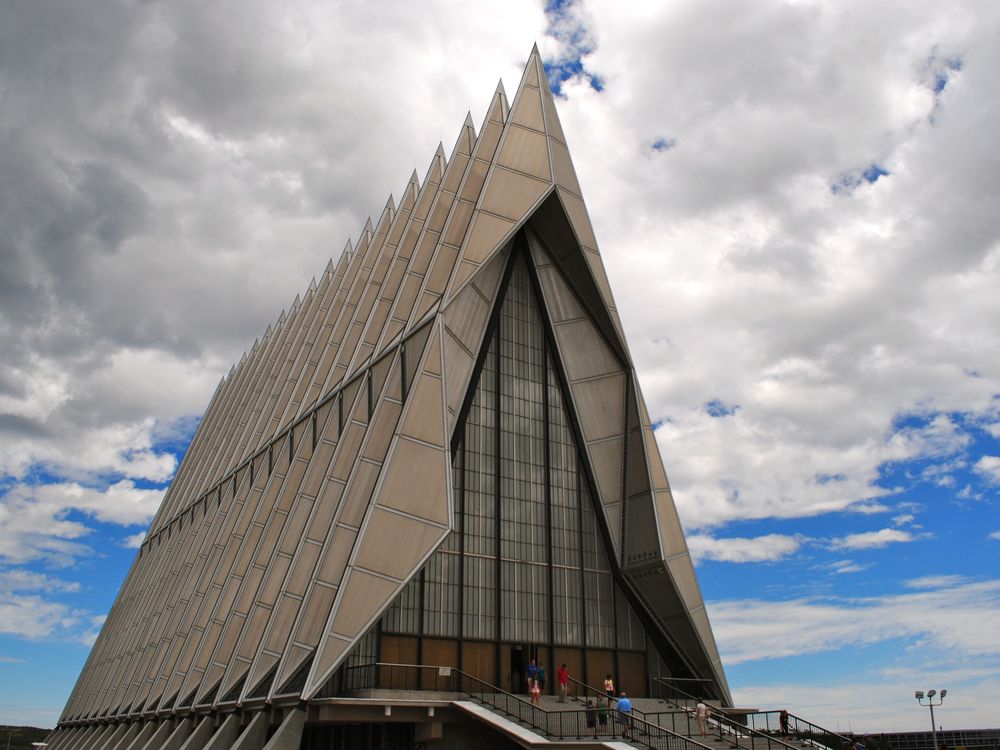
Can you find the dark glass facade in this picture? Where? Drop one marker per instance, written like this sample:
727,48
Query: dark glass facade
527,575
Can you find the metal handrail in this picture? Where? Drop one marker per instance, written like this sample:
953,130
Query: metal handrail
601,695
727,725
801,728
560,724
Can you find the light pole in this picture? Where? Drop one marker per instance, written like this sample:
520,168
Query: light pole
919,695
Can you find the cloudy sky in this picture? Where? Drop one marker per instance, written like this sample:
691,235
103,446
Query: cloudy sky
798,204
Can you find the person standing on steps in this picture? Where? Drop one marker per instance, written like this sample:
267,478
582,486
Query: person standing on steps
562,677
602,713
701,714
625,715
609,688
591,716
536,693
530,673
540,678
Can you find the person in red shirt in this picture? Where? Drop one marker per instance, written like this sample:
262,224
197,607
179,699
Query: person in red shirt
562,677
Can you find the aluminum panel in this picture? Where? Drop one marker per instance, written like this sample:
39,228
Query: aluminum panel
458,366
562,164
359,493
642,540
511,194
656,472
363,596
585,355
487,279
488,233
683,577
461,216
561,302
552,125
576,212
525,151
671,531
527,110
415,481
394,543
606,459
425,412
599,406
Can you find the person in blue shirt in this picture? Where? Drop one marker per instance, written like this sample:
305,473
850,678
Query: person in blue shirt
531,673
625,714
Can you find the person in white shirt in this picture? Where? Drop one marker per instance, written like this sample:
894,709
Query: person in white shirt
701,714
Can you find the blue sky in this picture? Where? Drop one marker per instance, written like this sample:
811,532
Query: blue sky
796,205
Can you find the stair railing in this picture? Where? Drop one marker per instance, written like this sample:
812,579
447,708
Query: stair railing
558,724
723,727
795,726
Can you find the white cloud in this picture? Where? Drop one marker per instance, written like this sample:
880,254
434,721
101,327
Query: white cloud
883,702
218,171
934,582
902,519
134,541
766,548
995,535
35,617
953,617
158,228
872,539
19,579
34,523
839,313
989,468
846,566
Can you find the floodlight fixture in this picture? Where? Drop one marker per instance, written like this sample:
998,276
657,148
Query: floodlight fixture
919,695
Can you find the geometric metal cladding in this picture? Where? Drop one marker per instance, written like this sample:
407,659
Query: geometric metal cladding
319,481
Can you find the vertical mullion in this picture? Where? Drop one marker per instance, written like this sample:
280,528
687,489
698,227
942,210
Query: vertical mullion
614,626
496,492
547,461
461,552
583,571
420,617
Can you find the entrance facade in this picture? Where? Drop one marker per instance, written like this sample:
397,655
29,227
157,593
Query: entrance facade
527,573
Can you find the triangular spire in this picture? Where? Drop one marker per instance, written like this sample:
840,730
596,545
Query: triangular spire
501,95
440,162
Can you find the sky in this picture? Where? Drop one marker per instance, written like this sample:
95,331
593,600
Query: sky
798,204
